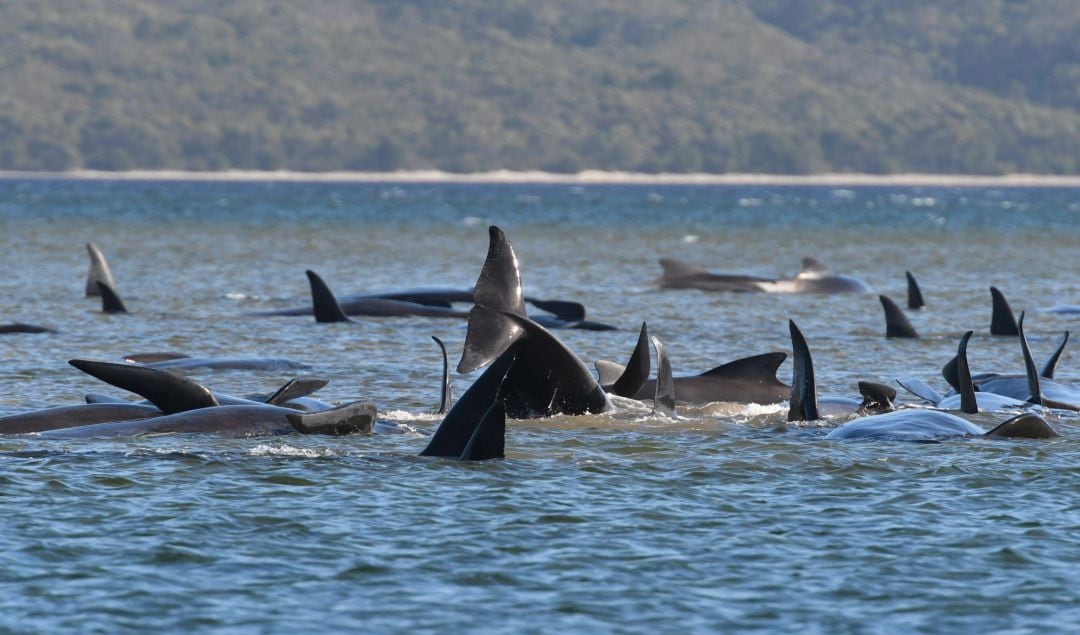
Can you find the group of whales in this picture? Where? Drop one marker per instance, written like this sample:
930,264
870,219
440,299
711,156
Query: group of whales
530,373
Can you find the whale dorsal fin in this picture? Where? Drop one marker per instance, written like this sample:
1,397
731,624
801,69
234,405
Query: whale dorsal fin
1051,363
1023,426
352,418
914,294
110,301
804,405
896,323
812,267
608,371
761,368
674,268
444,397
323,302
564,310
170,392
920,389
877,397
664,399
488,440
99,271
1029,366
499,284
637,369
968,403
950,373
299,387
1002,321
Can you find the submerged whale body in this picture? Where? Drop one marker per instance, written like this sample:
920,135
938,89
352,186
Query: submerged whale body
814,278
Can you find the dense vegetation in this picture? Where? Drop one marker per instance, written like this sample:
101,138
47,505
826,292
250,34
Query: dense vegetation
786,86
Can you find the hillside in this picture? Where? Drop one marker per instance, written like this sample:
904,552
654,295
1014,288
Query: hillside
781,86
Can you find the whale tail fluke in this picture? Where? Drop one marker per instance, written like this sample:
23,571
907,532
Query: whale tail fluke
803,402
325,305
445,397
170,392
353,418
914,294
1002,321
896,323
99,271
488,440
637,369
498,303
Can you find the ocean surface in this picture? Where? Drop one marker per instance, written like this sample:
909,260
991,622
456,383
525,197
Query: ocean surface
725,520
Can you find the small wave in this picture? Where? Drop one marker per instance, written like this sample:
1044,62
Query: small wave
266,449
405,415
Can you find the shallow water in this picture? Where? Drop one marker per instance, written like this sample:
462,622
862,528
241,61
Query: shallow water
725,520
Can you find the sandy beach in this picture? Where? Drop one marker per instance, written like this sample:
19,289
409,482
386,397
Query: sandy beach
587,177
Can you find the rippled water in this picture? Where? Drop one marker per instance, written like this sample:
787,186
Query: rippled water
725,520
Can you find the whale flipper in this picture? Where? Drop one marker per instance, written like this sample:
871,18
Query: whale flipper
445,397
99,271
968,403
299,387
1029,366
1002,321
1051,363
636,371
1023,426
488,440
353,418
457,427
896,323
804,404
110,301
921,389
877,397
170,392
664,399
914,294
325,305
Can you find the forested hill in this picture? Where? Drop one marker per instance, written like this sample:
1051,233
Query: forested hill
780,86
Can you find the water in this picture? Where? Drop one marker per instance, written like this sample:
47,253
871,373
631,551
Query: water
726,520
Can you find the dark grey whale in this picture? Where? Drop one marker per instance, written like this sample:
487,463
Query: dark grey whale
22,327
805,404
813,278
747,380
968,400
531,372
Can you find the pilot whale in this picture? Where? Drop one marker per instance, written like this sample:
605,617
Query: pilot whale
530,371
813,278
747,380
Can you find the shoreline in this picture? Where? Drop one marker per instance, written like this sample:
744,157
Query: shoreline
587,177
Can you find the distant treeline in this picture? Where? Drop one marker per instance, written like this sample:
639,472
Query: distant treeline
779,86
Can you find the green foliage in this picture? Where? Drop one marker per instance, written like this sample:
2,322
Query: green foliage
781,86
